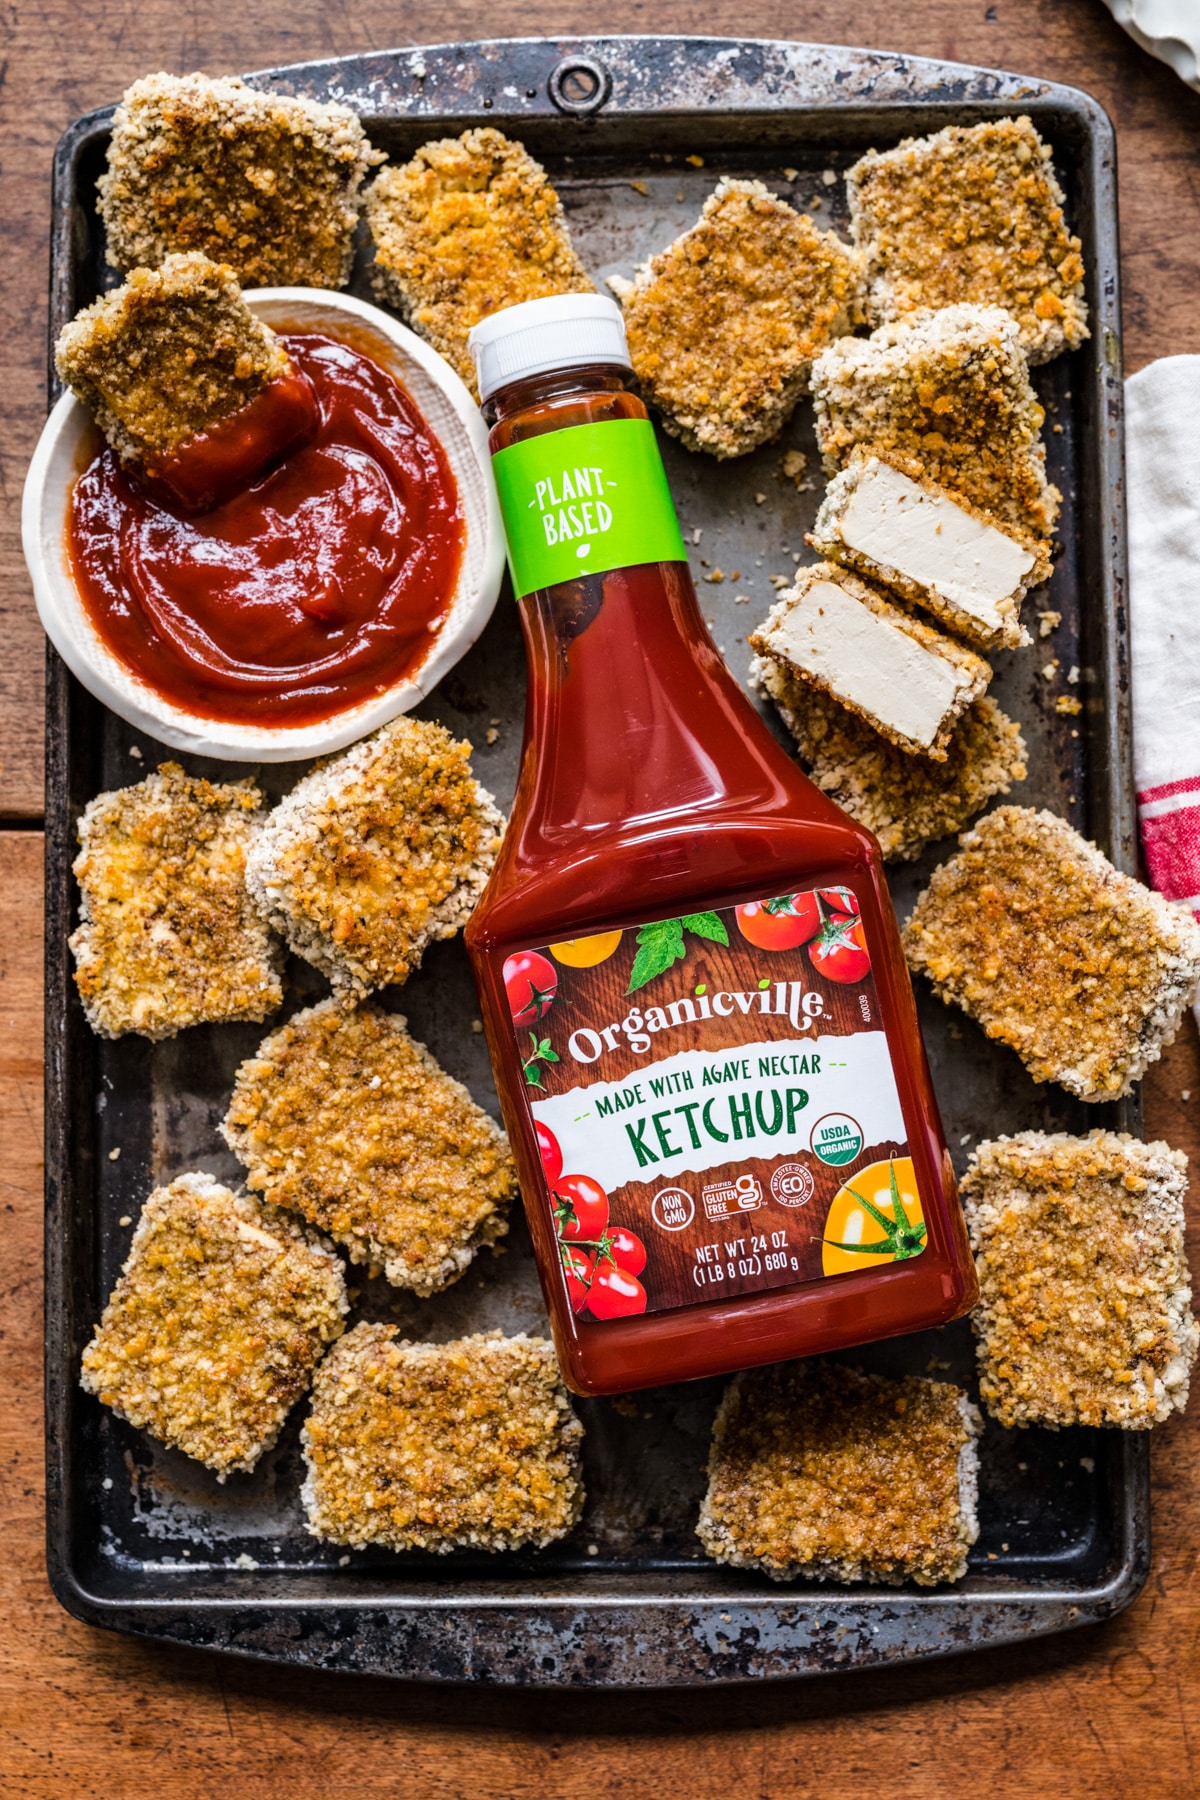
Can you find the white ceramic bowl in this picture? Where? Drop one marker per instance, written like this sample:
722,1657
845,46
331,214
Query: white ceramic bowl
454,419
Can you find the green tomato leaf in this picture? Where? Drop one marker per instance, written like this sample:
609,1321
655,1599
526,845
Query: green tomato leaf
660,945
706,925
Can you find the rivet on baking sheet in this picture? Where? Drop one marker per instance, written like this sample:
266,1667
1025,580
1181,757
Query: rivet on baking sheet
579,85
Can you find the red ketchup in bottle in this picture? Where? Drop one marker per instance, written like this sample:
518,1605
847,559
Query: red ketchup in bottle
701,1022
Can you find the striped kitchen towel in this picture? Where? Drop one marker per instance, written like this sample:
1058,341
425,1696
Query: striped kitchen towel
1163,463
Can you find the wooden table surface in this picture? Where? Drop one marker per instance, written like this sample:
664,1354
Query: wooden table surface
1109,1712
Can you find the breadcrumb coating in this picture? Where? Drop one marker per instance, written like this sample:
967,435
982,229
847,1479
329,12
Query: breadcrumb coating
269,183
938,507
167,355
907,801
951,389
168,935
469,226
972,213
1084,1314
341,1116
377,852
818,1470
1080,969
212,1332
471,1444
724,323
797,636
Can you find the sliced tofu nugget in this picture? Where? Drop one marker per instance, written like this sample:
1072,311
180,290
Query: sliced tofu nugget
467,1445
907,801
212,1332
469,226
167,356
269,183
344,1118
1080,969
905,679
972,213
723,325
1084,1314
950,389
819,1471
880,518
377,852
168,934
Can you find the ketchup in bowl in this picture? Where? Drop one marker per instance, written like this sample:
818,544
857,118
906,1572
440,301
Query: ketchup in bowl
320,586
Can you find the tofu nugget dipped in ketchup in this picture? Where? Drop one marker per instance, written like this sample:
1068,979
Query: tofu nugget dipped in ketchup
273,534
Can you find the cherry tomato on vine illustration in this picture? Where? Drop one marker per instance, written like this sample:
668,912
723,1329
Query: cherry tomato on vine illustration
550,1151
577,1267
839,900
580,1209
615,1294
781,924
625,1248
840,953
531,984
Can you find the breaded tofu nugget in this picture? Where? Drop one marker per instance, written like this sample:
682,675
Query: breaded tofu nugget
469,226
376,853
167,356
882,519
212,1332
724,323
908,681
168,935
342,1117
974,212
467,1445
950,389
820,1471
1084,1314
907,801
269,183
1079,969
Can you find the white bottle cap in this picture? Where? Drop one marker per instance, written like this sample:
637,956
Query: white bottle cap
563,331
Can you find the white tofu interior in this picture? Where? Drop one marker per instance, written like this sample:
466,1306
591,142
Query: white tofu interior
868,662
933,542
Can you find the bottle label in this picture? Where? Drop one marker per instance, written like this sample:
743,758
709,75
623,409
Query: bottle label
715,1104
583,501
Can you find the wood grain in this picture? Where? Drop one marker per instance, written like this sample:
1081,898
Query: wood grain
1107,1714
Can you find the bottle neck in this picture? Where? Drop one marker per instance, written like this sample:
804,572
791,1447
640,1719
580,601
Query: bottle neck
536,403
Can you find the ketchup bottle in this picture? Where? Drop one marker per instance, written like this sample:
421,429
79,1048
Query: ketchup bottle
696,1002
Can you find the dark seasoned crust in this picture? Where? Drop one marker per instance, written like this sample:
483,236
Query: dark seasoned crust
469,226
341,1116
268,183
818,1470
168,355
724,323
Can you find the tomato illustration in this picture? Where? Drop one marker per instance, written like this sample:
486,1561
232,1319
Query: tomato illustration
580,1209
839,900
625,1248
840,953
615,1294
577,1267
875,1218
549,1150
586,952
531,984
780,924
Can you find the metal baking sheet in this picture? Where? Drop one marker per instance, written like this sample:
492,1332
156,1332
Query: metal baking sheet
144,1540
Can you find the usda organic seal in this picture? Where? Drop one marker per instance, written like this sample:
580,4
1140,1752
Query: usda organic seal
836,1139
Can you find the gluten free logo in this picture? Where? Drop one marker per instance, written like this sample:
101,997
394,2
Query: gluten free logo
837,1139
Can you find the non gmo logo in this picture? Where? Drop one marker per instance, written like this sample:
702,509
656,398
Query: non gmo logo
672,1209
837,1139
